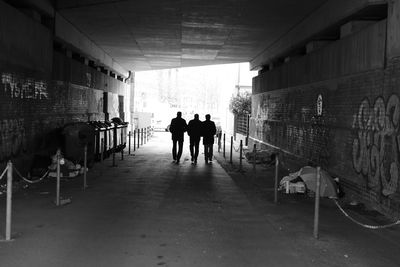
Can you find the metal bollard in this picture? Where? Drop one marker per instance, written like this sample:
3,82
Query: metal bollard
276,179
317,198
102,149
134,139
255,156
141,137
240,154
122,146
219,142
129,143
230,156
84,166
113,157
138,137
223,148
58,177
9,199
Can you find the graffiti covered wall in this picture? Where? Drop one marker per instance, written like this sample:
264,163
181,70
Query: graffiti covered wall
376,143
32,108
296,126
348,123
350,126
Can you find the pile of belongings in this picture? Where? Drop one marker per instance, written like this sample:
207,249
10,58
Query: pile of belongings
67,167
261,156
306,179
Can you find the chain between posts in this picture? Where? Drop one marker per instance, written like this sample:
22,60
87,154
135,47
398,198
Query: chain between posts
28,180
4,172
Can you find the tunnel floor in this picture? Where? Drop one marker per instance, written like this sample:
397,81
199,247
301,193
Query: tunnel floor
149,211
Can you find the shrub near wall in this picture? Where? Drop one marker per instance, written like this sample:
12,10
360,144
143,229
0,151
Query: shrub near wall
355,135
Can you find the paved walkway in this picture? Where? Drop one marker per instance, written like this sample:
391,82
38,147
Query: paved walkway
148,211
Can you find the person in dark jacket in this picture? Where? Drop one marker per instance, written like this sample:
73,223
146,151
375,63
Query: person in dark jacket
209,131
177,128
194,131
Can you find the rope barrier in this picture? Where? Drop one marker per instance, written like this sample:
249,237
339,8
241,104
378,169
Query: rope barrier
4,172
373,227
30,181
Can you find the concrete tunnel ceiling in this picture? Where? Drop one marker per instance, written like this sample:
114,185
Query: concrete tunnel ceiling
148,35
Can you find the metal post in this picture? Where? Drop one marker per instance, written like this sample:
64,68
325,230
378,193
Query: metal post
134,140
84,166
317,196
113,148
255,156
9,199
219,142
122,145
138,137
223,148
276,179
129,143
230,156
247,130
113,157
141,137
58,155
240,154
102,149
145,135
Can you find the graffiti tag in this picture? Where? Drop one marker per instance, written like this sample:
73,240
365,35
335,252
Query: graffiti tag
377,143
24,88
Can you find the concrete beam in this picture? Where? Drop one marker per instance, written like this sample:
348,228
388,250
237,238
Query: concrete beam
326,16
393,30
67,32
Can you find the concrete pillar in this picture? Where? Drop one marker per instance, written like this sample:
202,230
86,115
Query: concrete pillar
132,99
393,29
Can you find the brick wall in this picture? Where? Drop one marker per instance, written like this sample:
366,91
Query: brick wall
41,90
348,122
31,109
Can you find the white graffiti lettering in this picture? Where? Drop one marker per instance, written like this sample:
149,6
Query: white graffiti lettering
24,88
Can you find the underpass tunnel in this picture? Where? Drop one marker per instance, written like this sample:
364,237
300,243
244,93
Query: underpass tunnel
325,90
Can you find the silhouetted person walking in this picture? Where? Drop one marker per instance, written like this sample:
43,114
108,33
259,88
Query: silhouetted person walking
177,128
209,131
194,131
